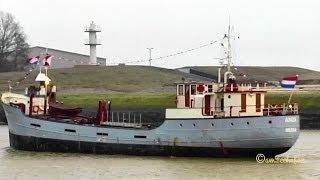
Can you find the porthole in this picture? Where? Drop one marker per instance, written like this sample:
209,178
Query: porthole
212,124
248,123
194,125
270,122
229,96
232,124
180,125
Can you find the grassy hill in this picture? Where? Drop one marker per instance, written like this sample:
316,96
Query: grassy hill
147,85
111,79
264,74
95,79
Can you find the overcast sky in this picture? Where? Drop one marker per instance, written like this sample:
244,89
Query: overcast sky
272,32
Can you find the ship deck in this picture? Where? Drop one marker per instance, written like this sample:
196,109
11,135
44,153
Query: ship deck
142,118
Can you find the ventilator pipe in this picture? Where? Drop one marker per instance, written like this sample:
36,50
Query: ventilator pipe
219,75
225,76
31,103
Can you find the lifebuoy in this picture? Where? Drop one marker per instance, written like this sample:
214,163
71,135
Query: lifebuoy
35,109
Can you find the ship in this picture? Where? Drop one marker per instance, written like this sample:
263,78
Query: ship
211,119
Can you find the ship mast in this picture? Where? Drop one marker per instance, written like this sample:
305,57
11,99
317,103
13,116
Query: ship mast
229,48
228,36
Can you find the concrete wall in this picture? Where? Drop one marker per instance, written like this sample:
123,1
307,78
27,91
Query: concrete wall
63,59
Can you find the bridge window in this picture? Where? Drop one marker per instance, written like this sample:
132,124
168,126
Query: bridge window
180,89
193,89
209,88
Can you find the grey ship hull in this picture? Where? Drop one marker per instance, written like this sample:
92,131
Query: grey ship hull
248,136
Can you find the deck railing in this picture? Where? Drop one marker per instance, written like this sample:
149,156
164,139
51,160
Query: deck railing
124,119
284,109
268,110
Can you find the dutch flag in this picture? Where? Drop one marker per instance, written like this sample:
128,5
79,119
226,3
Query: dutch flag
33,60
289,81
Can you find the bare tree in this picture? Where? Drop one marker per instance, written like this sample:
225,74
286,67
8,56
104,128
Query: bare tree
13,45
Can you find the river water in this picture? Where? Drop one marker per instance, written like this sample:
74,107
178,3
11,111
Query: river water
34,165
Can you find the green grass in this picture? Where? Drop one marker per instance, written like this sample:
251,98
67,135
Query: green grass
130,99
167,99
302,98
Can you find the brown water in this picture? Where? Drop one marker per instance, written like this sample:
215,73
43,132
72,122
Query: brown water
33,165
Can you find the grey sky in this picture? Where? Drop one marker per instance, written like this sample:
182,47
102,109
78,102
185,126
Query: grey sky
272,32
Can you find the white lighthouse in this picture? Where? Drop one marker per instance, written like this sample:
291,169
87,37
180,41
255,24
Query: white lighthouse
93,41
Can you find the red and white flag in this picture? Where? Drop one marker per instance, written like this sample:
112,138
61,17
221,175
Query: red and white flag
47,60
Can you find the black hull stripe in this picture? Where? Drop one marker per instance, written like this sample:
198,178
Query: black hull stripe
30,143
